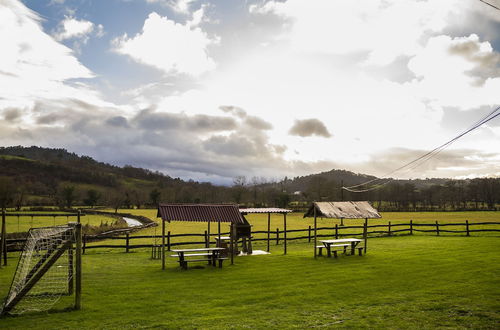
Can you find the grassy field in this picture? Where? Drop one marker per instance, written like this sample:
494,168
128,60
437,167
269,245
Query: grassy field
23,224
296,221
403,282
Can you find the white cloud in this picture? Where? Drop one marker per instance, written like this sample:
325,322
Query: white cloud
459,72
180,6
385,29
169,46
34,67
71,27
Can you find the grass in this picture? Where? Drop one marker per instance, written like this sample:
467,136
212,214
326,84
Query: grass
296,221
21,224
403,282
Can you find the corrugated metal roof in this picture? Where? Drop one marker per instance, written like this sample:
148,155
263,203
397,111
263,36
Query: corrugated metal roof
201,213
264,210
346,210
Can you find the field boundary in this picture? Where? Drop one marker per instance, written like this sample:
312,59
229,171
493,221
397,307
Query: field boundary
277,236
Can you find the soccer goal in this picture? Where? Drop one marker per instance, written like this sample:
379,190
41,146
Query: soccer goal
49,267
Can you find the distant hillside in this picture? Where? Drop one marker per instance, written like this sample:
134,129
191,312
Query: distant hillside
349,178
44,176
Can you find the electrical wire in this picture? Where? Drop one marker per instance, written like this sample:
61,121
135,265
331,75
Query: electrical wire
424,158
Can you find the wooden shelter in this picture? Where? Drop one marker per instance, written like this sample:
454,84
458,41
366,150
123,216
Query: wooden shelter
270,210
341,210
202,213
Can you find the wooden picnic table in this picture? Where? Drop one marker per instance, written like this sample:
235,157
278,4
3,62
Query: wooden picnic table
210,255
342,242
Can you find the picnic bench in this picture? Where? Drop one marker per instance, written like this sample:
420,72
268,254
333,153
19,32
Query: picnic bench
336,245
210,255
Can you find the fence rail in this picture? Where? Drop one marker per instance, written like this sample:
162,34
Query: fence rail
276,236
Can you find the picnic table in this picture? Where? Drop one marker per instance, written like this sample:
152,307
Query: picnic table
342,243
211,255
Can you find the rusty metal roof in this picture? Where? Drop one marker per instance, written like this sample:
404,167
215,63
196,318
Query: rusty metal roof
345,210
201,213
265,210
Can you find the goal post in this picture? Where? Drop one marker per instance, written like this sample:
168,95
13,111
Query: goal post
46,270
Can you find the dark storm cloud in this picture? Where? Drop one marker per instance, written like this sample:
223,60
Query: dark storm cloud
447,163
152,120
118,121
258,123
48,119
11,114
234,110
487,64
238,146
309,127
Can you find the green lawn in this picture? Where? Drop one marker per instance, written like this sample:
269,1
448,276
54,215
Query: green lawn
403,282
296,221
24,223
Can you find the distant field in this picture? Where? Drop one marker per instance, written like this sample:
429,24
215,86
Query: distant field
295,221
24,223
410,282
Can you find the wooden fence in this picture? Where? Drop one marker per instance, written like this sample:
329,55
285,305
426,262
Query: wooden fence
277,236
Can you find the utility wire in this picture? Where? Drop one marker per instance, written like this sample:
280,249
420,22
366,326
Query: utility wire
489,4
422,159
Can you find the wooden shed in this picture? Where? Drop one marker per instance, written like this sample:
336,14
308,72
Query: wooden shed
341,210
209,213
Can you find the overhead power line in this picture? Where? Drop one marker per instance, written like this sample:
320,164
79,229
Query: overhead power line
380,182
489,4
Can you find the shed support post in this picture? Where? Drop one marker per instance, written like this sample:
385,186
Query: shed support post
218,231
365,233
207,242
268,229
163,244
231,238
315,230
284,233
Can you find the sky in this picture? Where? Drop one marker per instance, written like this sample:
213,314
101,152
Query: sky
213,90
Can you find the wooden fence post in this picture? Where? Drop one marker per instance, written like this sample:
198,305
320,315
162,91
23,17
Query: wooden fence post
284,233
84,243
168,241
277,236
3,245
389,229
78,265
309,235
411,227
365,233
206,239
467,227
437,228
268,230
127,238
336,231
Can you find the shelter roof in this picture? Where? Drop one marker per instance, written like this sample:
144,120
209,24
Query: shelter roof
201,213
264,210
345,210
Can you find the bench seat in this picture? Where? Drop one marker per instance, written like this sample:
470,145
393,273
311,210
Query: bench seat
339,247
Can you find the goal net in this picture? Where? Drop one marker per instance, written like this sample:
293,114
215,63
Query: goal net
44,272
